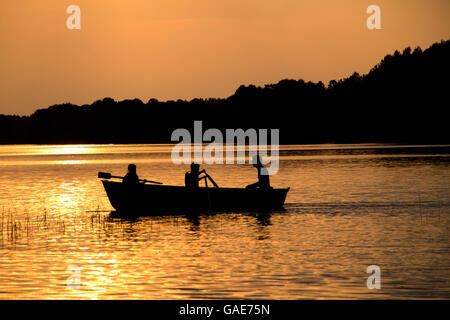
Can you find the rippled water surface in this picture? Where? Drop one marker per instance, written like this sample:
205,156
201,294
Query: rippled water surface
350,206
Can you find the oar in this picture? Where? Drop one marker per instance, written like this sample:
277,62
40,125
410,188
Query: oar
207,193
107,175
211,179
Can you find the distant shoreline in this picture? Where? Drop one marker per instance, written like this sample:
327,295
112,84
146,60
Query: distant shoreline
398,101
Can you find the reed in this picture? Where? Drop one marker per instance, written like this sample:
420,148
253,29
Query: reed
46,225
1,230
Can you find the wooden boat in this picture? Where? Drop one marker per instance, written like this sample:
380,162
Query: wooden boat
147,198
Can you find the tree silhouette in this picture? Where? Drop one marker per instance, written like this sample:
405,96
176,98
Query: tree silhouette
400,100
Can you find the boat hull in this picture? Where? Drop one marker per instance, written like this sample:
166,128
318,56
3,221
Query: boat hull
156,198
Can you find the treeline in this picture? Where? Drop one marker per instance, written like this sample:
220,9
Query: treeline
402,99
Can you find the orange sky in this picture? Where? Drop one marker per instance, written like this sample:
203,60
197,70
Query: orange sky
170,49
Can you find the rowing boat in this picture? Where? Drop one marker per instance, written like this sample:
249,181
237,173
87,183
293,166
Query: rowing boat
148,198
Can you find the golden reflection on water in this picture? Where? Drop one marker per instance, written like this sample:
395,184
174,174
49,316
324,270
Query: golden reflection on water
344,212
67,149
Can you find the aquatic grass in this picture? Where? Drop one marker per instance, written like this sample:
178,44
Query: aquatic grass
11,227
23,228
1,230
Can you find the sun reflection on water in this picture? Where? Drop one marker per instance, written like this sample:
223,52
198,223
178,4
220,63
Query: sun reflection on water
340,217
68,149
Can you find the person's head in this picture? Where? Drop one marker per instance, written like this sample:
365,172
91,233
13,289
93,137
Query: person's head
257,162
195,167
132,168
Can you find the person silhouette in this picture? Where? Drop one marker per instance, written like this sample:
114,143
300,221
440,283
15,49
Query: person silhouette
192,178
263,175
131,177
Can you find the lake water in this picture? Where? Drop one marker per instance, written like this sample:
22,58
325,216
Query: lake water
350,206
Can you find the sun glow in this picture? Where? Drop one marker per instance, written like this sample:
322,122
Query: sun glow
67,150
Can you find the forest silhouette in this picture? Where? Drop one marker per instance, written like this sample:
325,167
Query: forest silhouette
401,100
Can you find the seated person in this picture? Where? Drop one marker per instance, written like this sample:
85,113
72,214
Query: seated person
263,176
192,178
131,177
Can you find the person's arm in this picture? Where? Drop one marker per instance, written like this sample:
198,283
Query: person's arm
198,176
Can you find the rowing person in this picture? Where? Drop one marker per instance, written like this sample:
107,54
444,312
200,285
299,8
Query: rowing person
131,177
192,178
263,175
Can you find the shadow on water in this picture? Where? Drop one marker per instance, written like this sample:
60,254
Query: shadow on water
263,218
194,218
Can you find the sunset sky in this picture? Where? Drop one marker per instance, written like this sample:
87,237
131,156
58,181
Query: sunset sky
170,49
